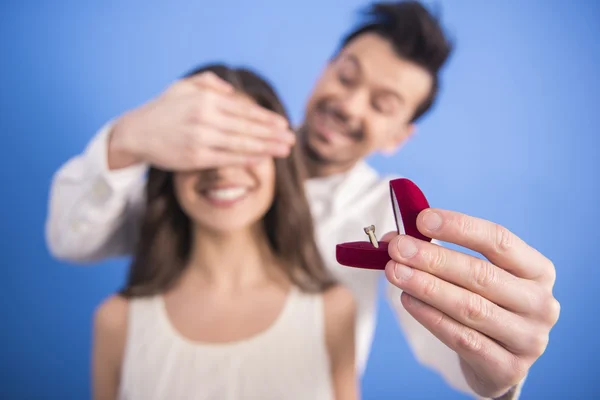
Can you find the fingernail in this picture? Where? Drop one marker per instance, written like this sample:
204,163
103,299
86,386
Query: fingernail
432,220
402,272
406,247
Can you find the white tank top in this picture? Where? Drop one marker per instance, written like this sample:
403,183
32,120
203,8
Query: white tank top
287,361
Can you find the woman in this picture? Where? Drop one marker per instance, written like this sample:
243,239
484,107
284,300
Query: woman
227,296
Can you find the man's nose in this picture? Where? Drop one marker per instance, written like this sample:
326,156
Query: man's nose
355,104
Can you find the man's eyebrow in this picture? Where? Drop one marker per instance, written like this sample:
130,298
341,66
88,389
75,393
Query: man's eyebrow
354,60
386,89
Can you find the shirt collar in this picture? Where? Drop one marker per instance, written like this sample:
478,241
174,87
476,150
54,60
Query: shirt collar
340,189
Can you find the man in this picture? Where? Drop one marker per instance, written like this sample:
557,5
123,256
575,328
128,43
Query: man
479,324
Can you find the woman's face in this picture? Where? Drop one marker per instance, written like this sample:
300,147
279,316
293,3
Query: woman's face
227,199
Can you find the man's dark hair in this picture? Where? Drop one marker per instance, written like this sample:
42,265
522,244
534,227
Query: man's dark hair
415,34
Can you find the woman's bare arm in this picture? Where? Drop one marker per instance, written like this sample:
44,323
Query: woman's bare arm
110,332
340,314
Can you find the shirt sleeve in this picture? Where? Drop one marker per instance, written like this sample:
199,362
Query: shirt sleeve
93,213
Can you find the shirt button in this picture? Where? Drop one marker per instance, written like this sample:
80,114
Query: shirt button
100,190
318,209
78,226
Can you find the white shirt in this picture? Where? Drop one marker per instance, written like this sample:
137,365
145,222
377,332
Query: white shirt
159,363
93,215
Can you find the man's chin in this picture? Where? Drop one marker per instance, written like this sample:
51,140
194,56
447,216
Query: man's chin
316,152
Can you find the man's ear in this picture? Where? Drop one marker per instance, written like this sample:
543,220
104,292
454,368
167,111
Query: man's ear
398,138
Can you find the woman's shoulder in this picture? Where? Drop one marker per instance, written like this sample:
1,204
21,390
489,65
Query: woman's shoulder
110,317
339,306
340,320
339,302
110,330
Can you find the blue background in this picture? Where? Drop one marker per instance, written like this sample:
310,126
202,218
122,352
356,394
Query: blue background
514,139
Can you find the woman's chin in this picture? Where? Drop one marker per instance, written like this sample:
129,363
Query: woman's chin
226,226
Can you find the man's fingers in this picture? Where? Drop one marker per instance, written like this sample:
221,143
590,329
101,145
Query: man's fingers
240,107
495,242
483,356
469,272
253,146
242,144
468,308
236,104
209,80
240,126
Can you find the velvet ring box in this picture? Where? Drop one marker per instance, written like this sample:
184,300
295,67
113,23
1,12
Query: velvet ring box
407,202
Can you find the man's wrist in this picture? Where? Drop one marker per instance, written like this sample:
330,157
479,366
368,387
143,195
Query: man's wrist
119,148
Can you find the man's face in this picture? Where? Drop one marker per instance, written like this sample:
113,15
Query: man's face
363,102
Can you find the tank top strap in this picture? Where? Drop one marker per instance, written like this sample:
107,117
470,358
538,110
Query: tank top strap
142,316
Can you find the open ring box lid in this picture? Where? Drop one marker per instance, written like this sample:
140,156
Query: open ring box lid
407,202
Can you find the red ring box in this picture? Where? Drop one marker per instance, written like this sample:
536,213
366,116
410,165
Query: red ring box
407,202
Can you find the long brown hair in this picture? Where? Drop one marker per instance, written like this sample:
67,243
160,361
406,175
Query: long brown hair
165,236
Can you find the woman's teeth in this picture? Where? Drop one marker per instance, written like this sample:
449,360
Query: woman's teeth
226,194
